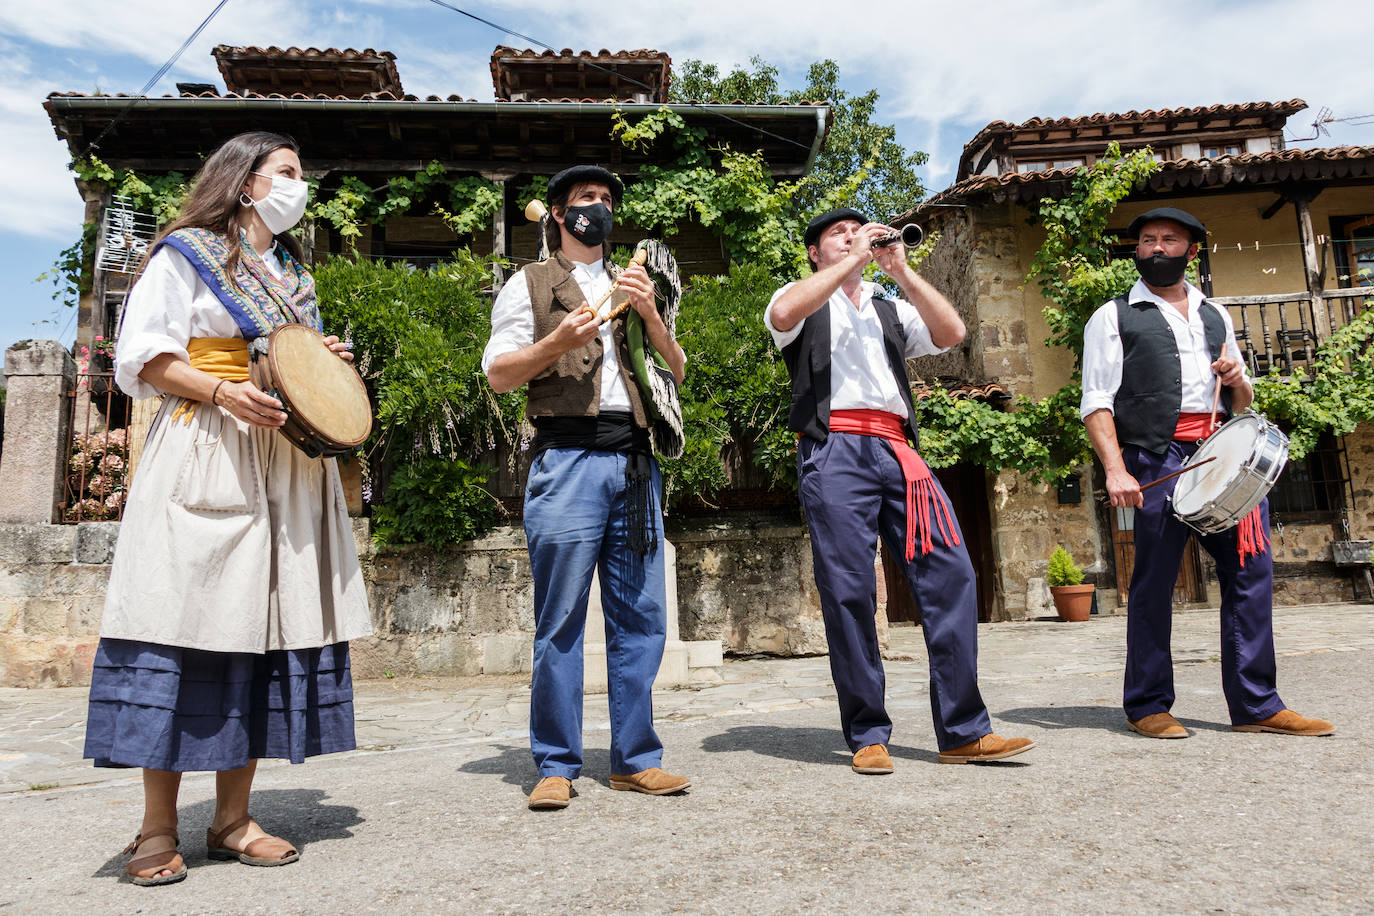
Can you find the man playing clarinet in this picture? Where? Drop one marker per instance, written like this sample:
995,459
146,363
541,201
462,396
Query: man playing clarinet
860,476
592,501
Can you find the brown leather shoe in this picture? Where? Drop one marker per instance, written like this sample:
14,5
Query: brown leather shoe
264,852
1158,725
1287,722
551,792
652,781
872,760
988,747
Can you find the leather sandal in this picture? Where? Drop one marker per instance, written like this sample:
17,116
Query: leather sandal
265,851
157,862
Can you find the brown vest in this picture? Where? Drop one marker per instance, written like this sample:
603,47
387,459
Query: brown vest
571,387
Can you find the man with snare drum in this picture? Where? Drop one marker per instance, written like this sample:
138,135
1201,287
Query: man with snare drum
1152,361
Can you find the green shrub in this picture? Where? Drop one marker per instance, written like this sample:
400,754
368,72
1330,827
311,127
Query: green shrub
434,501
1062,569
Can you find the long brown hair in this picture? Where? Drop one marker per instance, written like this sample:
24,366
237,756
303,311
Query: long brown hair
214,199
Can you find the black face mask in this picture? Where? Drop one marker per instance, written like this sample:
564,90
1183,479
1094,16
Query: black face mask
590,224
1161,270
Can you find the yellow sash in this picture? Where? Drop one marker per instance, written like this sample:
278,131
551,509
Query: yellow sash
223,357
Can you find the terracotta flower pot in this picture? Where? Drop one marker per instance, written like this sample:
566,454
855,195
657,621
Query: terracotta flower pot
1073,602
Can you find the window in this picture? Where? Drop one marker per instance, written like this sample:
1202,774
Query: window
1224,148
1043,164
1353,241
1314,488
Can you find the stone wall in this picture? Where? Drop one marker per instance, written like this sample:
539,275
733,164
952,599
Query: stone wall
950,270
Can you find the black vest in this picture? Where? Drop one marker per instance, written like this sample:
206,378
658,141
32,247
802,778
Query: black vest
1149,400
808,363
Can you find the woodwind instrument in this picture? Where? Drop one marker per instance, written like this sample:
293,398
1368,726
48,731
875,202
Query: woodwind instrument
535,211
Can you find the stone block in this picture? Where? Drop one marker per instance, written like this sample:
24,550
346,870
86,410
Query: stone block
22,545
45,618
448,654
40,375
705,654
673,670
23,582
594,679
95,542
422,609
83,618
28,662
507,653
78,580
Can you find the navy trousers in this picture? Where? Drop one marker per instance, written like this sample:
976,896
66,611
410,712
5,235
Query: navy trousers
852,491
1248,670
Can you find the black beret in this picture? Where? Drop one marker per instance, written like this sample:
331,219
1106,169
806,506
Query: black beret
567,179
817,225
1187,220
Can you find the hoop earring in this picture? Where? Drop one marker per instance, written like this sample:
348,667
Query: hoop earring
245,200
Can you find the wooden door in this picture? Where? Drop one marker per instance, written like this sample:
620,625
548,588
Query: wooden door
1190,587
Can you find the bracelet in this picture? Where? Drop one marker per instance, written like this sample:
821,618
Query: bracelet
215,394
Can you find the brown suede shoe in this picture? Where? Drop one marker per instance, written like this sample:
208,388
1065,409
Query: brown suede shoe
1158,725
1287,722
872,760
652,781
551,792
988,747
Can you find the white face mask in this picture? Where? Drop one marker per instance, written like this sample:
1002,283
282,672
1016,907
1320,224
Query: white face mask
284,204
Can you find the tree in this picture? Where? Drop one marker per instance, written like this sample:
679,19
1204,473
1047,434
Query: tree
855,142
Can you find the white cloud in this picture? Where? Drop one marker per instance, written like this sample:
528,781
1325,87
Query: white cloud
37,193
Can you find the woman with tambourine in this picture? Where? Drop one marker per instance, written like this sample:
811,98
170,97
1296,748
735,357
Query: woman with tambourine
235,586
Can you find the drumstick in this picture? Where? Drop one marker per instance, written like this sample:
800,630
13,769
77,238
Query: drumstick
1155,483
1216,399
638,260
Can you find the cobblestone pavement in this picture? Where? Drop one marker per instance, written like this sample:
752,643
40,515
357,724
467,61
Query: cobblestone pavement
428,812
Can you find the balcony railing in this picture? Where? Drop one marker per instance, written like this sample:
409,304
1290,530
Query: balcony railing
1285,329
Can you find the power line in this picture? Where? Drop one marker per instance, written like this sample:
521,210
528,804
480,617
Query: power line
621,76
161,72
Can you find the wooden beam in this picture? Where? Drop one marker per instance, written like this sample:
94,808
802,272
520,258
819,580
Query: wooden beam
1273,208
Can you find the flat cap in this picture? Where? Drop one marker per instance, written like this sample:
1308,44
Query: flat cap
567,179
817,225
1183,218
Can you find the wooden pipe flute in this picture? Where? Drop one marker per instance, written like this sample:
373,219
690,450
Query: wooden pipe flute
637,261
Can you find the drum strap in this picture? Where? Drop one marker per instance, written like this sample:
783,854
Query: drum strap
222,357
921,495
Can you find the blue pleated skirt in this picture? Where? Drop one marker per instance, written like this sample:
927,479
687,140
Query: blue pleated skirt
169,708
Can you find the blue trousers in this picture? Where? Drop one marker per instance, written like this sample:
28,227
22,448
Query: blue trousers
575,523
852,491
1248,670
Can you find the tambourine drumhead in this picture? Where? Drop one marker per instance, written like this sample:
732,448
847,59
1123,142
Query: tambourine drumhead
324,391
1232,446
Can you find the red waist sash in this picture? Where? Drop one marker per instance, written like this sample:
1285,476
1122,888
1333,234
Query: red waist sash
921,494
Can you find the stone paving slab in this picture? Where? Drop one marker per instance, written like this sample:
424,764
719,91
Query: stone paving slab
1093,820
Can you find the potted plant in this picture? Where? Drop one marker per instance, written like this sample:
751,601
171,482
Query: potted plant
1072,599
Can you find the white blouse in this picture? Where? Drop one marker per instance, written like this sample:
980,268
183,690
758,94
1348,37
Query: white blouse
169,305
860,376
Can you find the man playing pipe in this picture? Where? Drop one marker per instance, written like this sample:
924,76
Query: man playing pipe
591,501
1152,363
860,476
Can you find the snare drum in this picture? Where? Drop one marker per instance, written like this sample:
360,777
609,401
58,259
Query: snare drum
326,404
1250,454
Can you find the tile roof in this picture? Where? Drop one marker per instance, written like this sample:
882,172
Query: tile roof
542,74
1102,119
1246,168
962,390
347,71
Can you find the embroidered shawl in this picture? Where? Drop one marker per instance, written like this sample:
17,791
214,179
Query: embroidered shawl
256,299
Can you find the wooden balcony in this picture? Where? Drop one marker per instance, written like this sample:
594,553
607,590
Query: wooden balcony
1285,329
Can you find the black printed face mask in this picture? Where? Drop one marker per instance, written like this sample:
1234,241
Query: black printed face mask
590,224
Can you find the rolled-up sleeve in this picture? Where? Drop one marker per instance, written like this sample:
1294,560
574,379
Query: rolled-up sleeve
781,338
512,321
157,320
1102,362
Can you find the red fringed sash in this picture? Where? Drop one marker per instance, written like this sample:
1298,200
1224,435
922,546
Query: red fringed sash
921,494
1251,539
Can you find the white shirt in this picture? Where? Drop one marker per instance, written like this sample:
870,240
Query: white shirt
860,376
1103,359
169,305
512,328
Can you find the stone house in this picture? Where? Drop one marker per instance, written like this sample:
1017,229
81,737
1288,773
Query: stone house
1290,230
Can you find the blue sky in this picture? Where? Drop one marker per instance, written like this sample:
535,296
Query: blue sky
943,70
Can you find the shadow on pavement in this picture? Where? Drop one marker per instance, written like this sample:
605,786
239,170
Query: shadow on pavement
515,767
299,816
804,745
1104,718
